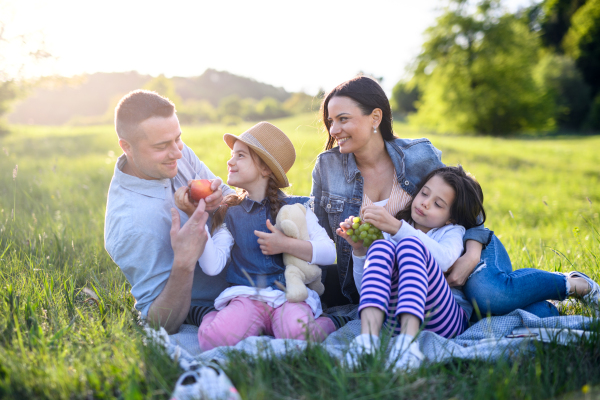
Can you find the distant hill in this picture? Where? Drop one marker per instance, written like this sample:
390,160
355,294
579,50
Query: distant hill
214,85
95,95
55,103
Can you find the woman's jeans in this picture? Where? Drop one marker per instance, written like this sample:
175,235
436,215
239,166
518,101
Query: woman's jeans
494,288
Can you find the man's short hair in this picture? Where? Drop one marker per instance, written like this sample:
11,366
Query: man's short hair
136,107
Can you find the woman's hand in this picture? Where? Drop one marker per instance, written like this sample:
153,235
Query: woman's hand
182,201
381,219
357,248
275,242
460,271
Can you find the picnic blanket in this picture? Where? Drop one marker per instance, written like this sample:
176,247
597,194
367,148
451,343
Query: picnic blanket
484,340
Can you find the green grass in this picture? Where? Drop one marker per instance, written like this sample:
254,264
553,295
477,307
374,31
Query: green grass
56,341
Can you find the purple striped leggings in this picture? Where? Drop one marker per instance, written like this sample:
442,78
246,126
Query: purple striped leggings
404,278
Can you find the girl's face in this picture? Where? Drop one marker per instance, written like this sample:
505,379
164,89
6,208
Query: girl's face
349,127
431,206
243,171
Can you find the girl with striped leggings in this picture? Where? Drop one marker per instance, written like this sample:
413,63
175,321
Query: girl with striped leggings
403,281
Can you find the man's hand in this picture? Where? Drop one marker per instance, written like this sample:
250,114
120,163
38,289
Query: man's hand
381,219
182,200
357,248
188,241
460,271
214,200
275,242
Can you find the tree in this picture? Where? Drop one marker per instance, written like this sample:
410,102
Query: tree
8,92
301,102
270,108
165,87
582,43
196,111
592,121
554,20
565,88
475,73
231,106
404,98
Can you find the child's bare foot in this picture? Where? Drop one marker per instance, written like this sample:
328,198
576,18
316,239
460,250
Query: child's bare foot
583,286
579,286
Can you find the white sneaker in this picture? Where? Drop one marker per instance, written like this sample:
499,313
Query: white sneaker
362,345
204,383
592,299
405,354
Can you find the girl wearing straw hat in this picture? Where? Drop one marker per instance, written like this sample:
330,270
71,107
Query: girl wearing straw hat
254,303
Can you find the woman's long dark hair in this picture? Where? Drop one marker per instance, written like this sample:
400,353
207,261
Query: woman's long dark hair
368,95
468,200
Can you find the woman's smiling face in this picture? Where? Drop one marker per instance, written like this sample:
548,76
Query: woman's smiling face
351,129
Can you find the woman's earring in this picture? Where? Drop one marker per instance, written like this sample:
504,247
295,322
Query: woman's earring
375,130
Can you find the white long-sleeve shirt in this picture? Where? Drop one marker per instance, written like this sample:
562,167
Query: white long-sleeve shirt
217,253
218,247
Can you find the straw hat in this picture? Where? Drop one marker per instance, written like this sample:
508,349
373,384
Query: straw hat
271,145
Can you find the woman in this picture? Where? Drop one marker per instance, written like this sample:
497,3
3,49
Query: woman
370,165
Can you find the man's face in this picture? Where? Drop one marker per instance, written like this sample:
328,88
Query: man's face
153,154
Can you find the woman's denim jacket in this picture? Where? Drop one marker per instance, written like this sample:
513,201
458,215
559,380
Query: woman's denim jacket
249,266
337,188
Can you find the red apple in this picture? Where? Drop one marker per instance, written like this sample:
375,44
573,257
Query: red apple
199,189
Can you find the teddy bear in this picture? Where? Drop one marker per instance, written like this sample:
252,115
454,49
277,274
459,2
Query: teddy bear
291,220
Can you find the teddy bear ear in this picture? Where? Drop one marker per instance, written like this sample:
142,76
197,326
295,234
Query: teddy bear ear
302,208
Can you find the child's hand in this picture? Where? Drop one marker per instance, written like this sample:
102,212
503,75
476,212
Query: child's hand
357,247
214,200
272,243
182,201
381,219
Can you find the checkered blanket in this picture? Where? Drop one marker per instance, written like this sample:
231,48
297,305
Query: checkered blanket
488,339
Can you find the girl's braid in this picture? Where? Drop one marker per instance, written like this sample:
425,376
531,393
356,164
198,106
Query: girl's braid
228,201
274,199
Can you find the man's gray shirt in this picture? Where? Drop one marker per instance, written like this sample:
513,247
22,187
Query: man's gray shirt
137,231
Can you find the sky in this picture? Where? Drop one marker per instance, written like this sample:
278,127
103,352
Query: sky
299,45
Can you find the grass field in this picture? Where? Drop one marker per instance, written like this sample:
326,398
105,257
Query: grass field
542,198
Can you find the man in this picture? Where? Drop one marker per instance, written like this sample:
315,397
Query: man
156,246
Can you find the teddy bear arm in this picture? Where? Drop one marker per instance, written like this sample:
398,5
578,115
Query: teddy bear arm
290,229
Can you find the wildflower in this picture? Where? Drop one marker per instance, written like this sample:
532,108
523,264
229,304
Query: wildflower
15,171
585,389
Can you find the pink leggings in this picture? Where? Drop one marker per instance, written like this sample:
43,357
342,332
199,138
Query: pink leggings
243,318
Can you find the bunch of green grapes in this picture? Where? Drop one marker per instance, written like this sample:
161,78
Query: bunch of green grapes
363,231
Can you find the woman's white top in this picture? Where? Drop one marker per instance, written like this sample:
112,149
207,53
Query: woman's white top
217,253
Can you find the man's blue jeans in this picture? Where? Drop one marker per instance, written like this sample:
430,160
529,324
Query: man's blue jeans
496,289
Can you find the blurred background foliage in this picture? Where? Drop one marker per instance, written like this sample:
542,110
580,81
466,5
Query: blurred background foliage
485,71
208,98
481,70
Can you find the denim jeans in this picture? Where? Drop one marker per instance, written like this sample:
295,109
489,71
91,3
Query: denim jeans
496,289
